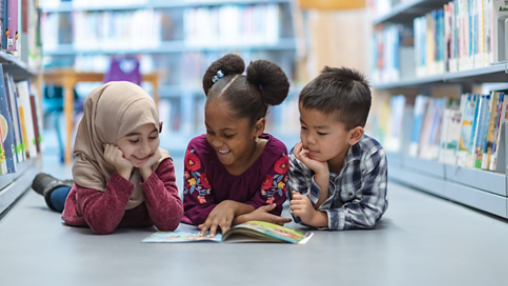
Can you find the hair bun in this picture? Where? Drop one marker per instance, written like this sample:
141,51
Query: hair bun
229,65
270,79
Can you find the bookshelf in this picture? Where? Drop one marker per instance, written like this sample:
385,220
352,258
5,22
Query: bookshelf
493,73
172,47
20,103
137,5
476,188
406,11
180,43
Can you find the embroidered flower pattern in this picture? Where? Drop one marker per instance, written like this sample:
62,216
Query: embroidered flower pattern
276,184
195,180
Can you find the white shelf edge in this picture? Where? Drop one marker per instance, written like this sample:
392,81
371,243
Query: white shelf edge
68,7
445,77
11,192
173,47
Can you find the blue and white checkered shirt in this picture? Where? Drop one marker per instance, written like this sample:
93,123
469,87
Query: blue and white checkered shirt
357,195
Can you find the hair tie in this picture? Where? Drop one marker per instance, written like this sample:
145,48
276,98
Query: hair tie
219,75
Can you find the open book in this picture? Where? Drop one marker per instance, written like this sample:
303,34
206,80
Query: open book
251,231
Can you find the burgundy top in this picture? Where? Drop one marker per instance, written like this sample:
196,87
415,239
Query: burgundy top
207,182
104,211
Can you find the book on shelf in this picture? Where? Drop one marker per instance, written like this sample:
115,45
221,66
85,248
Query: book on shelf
7,131
462,35
251,231
13,102
465,132
26,121
12,32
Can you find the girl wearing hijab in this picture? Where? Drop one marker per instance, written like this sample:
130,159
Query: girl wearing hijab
121,176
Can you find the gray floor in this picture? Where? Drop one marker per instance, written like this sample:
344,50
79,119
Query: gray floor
422,240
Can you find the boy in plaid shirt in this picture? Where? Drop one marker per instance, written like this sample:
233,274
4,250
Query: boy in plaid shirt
337,175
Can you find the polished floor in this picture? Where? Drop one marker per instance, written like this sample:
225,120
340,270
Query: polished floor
422,240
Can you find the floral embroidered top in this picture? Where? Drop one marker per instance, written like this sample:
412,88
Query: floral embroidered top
207,182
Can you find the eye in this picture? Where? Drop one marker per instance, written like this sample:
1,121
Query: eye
322,134
229,136
153,137
209,132
304,128
134,141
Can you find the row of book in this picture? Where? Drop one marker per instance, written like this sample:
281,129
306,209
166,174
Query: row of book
20,30
92,3
232,25
463,35
465,132
103,30
221,26
20,123
392,43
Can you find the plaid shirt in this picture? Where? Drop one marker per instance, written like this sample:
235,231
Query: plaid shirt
357,195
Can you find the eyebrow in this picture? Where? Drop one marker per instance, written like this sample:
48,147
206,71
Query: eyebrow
223,129
138,133
317,127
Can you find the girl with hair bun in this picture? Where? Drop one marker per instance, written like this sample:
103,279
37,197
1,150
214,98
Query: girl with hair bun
236,172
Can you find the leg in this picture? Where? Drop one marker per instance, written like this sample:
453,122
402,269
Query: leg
57,198
45,185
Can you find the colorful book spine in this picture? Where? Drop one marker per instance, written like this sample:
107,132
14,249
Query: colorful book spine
20,150
482,130
12,32
502,119
24,102
466,129
419,112
497,101
7,129
14,119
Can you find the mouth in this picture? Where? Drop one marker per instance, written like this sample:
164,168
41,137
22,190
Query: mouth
223,152
140,159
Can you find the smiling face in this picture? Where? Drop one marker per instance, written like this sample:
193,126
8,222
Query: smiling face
138,145
232,138
325,137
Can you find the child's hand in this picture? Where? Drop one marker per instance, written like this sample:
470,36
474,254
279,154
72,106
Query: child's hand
221,216
301,206
263,214
146,170
301,154
114,156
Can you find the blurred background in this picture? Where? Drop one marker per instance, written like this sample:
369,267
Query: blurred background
178,40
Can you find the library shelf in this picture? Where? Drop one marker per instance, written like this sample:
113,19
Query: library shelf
492,73
479,189
69,7
12,186
405,12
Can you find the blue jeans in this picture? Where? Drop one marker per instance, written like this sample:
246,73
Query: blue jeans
58,196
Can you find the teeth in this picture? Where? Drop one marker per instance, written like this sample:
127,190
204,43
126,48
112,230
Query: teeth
223,151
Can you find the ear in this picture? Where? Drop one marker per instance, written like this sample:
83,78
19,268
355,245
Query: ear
259,127
355,135
160,127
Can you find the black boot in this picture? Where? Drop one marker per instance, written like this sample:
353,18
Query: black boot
44,184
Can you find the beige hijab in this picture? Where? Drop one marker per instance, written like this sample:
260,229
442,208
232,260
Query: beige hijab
111,112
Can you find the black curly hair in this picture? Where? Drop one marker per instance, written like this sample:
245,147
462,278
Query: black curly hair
248,95
339,90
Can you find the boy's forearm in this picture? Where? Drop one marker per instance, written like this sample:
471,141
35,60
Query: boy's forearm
323,181
320,219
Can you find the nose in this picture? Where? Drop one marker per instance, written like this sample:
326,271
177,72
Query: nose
215,142
309,139
145,149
